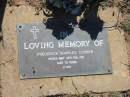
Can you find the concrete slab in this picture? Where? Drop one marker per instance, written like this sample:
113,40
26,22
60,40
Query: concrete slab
12,86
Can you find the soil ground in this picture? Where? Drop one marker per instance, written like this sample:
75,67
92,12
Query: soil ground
12,86
128,47
127,37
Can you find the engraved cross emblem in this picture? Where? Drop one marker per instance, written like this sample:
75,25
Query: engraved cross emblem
34,30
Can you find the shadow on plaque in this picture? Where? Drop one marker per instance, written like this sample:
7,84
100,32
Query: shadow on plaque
92,24
62,24
2,11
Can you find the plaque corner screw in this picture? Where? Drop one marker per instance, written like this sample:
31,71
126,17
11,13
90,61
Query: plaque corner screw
20,27
22,76
109,70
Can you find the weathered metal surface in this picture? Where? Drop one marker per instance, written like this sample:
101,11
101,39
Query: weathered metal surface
46,53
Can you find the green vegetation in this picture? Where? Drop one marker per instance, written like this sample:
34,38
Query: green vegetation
125,25
115,94
83,95
107,3
128,93
104,3
124,6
